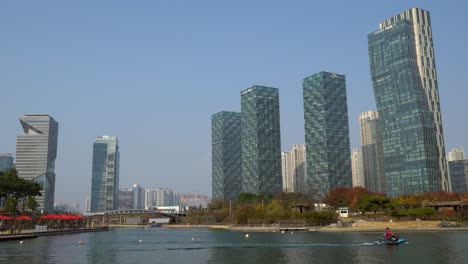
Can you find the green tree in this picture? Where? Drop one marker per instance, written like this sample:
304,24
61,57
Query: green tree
373,204
32,204
10,204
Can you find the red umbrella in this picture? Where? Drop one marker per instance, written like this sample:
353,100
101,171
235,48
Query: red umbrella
50,216
23,217
4,217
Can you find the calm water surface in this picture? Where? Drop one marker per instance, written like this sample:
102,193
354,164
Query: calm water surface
206,246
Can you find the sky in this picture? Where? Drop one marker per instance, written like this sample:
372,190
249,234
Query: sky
153,72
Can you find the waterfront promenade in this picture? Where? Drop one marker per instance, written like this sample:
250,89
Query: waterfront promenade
28,234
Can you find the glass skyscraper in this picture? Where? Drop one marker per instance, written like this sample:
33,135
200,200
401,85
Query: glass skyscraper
36,152
105,174
226,155
405,87
326,133
371,147
261,140
6,161
423,59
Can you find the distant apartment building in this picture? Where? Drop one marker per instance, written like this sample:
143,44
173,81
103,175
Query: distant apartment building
456,154
6,161
138,195
105,174
87,205
125,199
357,168
372,152
326,133
294,169
36,151
459,175
260,140
226,155
194,200
166,197
403,71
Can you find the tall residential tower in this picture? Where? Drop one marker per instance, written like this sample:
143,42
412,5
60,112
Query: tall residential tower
226,155
371,148
404,78
36,152
326,133
261,140
294,169
105,175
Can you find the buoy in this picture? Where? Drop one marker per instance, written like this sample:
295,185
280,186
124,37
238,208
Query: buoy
292,233
193,238
21,242
140,241
80,242
246,235
282,232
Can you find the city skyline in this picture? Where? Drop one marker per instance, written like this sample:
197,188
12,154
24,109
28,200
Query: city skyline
143,86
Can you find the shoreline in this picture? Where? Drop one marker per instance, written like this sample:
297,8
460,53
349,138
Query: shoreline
368,227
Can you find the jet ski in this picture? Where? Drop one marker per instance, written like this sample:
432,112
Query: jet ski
395,240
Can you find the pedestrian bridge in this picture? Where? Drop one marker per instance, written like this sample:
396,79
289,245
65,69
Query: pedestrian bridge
131,217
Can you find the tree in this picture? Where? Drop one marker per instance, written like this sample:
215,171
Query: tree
10,204
32,204
373,204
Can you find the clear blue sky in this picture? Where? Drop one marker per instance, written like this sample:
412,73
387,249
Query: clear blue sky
153,72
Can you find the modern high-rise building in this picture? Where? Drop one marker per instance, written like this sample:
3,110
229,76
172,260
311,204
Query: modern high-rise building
402,65
6,161
105,175
138,195
261,140
166,197
459,175
87,205
125,200
357,168
36,152
326,133
422,56
226,155
294,169
456,154
371,148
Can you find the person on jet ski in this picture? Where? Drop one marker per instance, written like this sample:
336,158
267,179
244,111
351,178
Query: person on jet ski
389,235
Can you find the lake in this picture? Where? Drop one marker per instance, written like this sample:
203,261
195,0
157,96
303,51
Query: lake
207,246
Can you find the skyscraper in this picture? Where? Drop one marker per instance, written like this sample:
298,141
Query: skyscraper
326,133
105,175
459,175
6,161
420,41
294,169
226,155
125,200
405,87
261,140
371,147
36,152
138,195
357,168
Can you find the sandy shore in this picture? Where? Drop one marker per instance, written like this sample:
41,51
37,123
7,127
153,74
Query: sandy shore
396,226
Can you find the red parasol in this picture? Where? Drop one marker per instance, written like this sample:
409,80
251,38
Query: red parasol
4,217
23,217
50,216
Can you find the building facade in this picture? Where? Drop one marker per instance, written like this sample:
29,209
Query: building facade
260,140
326,133
6,161
459,175
36,151
105,174
226,155
357,168
371,149
294,169
138,197
125,199
456,154
421,37
412,141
